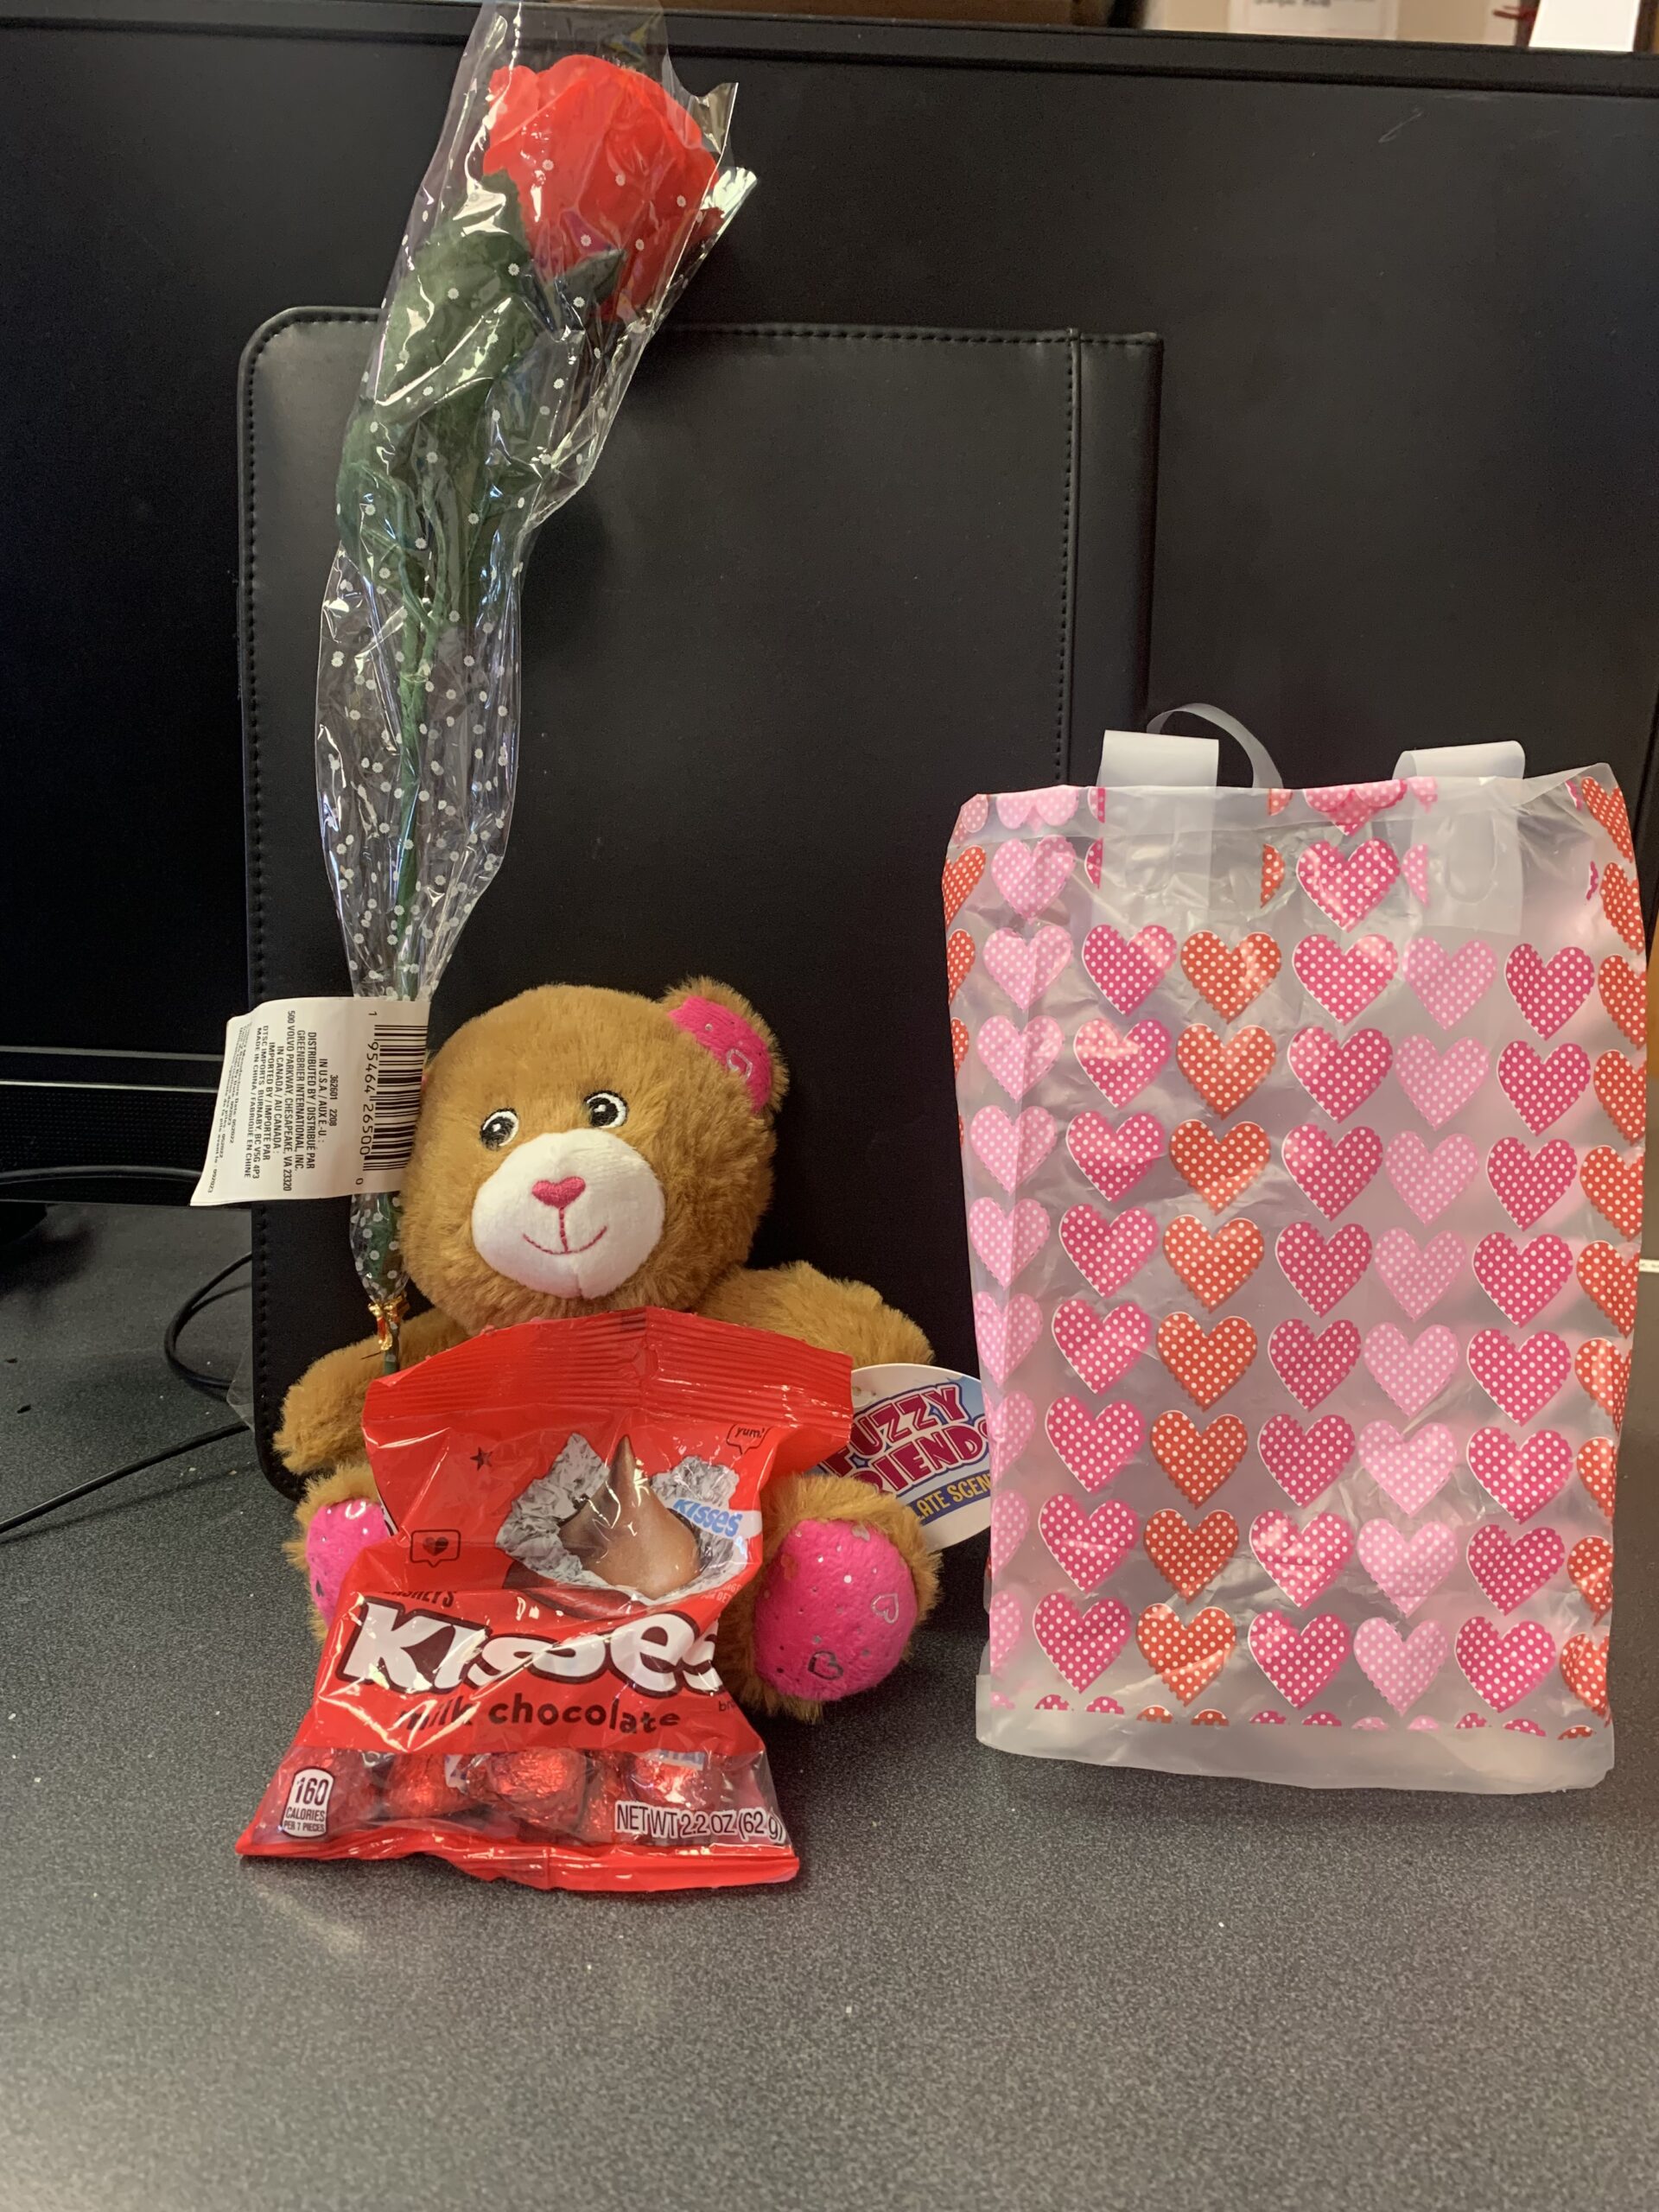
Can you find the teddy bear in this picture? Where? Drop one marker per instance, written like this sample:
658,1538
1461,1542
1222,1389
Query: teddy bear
580,1150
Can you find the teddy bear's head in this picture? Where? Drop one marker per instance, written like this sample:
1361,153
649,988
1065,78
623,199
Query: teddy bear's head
584,1149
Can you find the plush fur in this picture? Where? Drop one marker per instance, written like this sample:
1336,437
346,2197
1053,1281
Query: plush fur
541,1056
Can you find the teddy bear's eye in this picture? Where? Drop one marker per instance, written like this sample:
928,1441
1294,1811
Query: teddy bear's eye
606,1110
500,1128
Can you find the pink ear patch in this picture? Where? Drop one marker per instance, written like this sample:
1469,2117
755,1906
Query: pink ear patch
733,1043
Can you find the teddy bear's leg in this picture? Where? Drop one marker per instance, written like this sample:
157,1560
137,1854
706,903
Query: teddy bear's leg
340,1517
845,1577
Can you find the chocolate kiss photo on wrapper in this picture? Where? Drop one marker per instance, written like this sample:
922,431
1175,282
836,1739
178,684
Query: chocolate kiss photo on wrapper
520,1676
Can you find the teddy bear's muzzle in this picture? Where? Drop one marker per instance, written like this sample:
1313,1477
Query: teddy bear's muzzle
572,1214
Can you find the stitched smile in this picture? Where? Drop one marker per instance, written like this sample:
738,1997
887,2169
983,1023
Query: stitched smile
566,1251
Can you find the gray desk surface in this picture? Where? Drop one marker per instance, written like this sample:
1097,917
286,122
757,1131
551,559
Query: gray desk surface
997,1982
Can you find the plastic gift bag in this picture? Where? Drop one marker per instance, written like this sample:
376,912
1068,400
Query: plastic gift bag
1302,1142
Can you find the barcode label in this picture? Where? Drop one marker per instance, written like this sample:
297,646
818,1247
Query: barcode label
397,1063
318,1099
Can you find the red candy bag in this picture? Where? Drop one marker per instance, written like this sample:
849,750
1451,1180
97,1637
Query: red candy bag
521,1680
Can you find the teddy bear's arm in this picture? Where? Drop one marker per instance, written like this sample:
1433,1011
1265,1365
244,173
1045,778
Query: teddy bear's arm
322,1414
798,1301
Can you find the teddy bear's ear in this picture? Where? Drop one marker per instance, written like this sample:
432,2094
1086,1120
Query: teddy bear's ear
725,1024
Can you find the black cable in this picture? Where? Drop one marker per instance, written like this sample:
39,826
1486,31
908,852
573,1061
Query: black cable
120,1474
210,1385
99,1175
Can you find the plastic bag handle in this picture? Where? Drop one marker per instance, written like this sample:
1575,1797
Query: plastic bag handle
1155,759
1482,761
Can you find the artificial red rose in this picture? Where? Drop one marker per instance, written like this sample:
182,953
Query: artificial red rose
601,157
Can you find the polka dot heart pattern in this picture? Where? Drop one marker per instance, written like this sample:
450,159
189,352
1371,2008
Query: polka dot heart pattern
1224,1073
1344,983
1583,1669
1504,1667
1303,1209
1590,1563
1521,1478
1622,1089
1229,977
1401,1668
960,874
1198,1460
1081,1645
1607,806
1549,992
1213,1264
1186,1655
1188,1557
1205,1363
1220,1169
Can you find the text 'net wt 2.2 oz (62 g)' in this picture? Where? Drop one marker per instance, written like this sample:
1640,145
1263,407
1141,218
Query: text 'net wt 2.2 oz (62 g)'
522,1678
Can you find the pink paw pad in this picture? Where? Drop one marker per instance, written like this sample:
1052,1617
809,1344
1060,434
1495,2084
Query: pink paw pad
336,1534
835,1612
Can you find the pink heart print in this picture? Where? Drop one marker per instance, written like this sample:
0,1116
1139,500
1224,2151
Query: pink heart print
1009,1425
1019,1057
1414,868
1437,1083
1031,877
1121,1065
1449,983
1331,1172
1091,861
1429,1181
1407,1469
1025,967
1549,992
1322,1274
1115,1160
1051,803
1301,1561
1406,1569
1419,1280
976,812
1007,1620
1346,885
1521,1378
1090,1547
1511,1569
1541,1090
1311,1366
1304,1463
1298,1664
1504,1668
1107,1253
1424,789
1414,1375
1123,969
1401,1668
1100,1347
1005,1333
1350,806
1521,1280
1521,1478
1012,1149
1528,1184
1007,1241
1345,982
1010,1517
1081,1645
1093,1447
1337,1077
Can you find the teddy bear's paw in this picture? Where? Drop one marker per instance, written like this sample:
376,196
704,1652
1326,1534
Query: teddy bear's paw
835,1612
334,1537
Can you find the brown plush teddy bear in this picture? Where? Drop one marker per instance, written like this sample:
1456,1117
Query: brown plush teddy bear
582,1149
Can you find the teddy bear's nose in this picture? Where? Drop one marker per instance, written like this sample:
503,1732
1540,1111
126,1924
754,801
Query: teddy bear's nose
564,1193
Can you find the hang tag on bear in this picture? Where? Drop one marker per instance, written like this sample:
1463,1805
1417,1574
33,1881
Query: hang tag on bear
318,1099
918,1434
